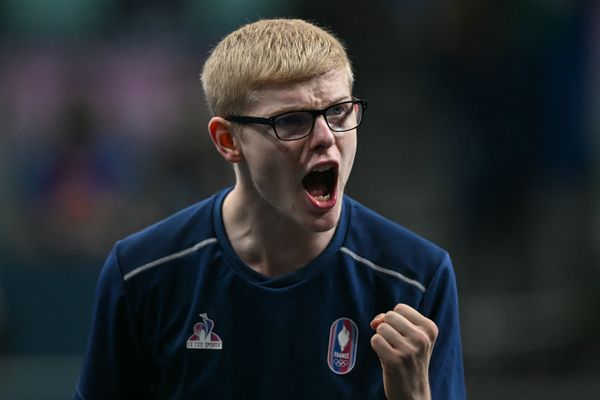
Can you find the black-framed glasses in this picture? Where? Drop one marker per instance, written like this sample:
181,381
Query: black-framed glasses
294,125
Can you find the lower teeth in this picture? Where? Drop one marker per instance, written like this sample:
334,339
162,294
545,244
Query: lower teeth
323,198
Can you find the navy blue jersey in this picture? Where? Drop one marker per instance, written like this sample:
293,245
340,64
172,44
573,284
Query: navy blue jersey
178,315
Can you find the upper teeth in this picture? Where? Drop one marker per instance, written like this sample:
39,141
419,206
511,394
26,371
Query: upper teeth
322,169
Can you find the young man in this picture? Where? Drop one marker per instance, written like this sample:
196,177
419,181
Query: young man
281,287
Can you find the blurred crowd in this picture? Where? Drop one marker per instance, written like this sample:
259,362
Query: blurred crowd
482,134
102,140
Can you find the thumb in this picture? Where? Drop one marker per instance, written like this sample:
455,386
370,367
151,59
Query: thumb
377,321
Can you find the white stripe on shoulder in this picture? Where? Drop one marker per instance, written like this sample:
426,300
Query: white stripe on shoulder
387,271
173,256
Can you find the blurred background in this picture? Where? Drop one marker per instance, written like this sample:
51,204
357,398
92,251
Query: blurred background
481,134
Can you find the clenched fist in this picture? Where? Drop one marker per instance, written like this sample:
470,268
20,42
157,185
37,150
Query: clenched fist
404,341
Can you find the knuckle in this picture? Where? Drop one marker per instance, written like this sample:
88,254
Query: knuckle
381,328
377,343
400,308
375,339
422,341
432,330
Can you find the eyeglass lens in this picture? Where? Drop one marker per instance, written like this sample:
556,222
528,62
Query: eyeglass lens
340,117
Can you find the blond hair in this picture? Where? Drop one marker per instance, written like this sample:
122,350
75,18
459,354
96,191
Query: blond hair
268,51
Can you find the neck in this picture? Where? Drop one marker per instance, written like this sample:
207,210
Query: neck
267,241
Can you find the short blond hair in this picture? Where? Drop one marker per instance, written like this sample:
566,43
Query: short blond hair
268,51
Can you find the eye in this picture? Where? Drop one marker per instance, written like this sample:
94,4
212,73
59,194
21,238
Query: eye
293,125
293,119
339,109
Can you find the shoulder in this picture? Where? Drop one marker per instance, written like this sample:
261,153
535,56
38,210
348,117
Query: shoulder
391,246
180,232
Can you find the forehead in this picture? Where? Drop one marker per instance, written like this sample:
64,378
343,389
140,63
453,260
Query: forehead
317,92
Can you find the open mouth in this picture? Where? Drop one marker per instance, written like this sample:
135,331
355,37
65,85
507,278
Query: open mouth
320,183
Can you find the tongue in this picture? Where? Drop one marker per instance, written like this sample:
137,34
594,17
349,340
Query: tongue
316,184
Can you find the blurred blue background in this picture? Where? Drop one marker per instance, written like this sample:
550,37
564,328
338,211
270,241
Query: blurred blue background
482,134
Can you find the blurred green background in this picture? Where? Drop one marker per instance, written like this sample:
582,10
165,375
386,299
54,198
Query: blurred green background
482,134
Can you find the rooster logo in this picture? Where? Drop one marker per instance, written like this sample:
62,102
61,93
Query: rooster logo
203,336
203,329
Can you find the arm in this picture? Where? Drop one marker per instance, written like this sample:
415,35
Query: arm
113,366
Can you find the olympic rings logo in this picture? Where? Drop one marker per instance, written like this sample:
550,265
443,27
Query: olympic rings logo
339,362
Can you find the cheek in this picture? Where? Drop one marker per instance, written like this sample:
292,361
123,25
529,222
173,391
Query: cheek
263,158
270,170
348,152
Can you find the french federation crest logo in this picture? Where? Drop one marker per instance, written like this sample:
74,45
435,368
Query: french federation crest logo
343,338
204,337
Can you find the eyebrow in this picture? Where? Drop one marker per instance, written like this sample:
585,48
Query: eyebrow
293,109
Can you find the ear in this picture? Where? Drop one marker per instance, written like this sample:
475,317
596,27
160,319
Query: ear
224,140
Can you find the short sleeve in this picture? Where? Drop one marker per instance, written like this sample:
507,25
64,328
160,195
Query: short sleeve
113,367
440,304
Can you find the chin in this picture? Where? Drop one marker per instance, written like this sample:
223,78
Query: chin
322,228
323,223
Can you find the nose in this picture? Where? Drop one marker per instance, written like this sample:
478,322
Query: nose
321,136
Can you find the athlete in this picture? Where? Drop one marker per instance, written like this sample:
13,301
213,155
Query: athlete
281,287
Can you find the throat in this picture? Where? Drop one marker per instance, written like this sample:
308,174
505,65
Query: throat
266,257
262,239
319,184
